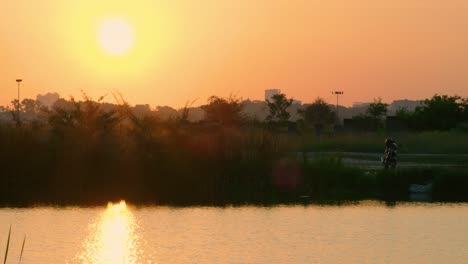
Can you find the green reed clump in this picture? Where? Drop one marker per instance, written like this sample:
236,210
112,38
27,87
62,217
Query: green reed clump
329,178
451,184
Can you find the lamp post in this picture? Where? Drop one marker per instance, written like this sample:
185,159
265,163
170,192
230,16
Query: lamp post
338,93
18,81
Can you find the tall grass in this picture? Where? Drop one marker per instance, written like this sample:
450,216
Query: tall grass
86,155
22,249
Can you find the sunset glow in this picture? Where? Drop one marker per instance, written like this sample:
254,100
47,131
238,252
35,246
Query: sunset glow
238,131
171,52
121,206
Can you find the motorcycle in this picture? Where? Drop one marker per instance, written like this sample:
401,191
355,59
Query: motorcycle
389,158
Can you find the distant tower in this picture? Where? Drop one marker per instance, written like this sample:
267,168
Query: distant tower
18,121
337,94
269,93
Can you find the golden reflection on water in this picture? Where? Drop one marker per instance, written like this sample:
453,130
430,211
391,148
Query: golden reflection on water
113,238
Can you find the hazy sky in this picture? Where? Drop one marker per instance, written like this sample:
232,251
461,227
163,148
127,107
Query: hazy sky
184,50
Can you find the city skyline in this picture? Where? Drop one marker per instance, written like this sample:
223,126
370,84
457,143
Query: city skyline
53,96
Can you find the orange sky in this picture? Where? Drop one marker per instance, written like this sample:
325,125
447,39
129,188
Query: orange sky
185,50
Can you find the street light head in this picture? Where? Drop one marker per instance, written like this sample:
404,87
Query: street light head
19,80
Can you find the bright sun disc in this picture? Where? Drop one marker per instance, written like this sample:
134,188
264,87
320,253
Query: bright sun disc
115,36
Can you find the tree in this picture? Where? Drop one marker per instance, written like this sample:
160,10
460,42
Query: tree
14,112
441,112
14,104
464,104
87,117
226,111
377,110
278,106
30,106
373,118
318,115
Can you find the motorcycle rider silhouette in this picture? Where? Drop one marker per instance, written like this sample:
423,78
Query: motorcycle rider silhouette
389,158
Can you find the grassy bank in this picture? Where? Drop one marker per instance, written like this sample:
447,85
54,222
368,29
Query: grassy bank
415,142
329,179
171,166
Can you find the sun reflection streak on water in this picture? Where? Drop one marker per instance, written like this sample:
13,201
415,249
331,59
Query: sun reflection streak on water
113,238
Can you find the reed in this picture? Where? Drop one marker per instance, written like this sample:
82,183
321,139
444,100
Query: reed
7,246
5,258
22,249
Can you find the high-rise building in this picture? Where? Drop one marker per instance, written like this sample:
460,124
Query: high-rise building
269,93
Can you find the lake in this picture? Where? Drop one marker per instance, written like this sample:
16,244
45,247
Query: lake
366,232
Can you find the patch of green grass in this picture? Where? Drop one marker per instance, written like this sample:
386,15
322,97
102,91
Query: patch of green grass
411,142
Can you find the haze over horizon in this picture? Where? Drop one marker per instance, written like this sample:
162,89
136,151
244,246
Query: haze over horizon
179,51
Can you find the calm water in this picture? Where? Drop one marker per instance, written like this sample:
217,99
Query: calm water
364,233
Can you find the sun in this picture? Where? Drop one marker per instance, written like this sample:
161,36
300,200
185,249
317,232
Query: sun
115,36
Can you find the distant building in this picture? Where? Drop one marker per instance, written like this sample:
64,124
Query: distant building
141,110
410,105
48,99
298,102
269,93
360,104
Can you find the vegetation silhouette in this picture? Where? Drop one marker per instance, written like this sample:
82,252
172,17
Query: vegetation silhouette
278,105
441,112
319,115
87,152
374,116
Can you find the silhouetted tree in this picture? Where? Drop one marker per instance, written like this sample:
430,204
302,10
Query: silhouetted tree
14,111
278,106
441,112
86,116
318,115
377,110
465,109
373,118
226,111
30,106
14,104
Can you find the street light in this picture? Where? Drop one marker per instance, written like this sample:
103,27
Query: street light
18,81
338,93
